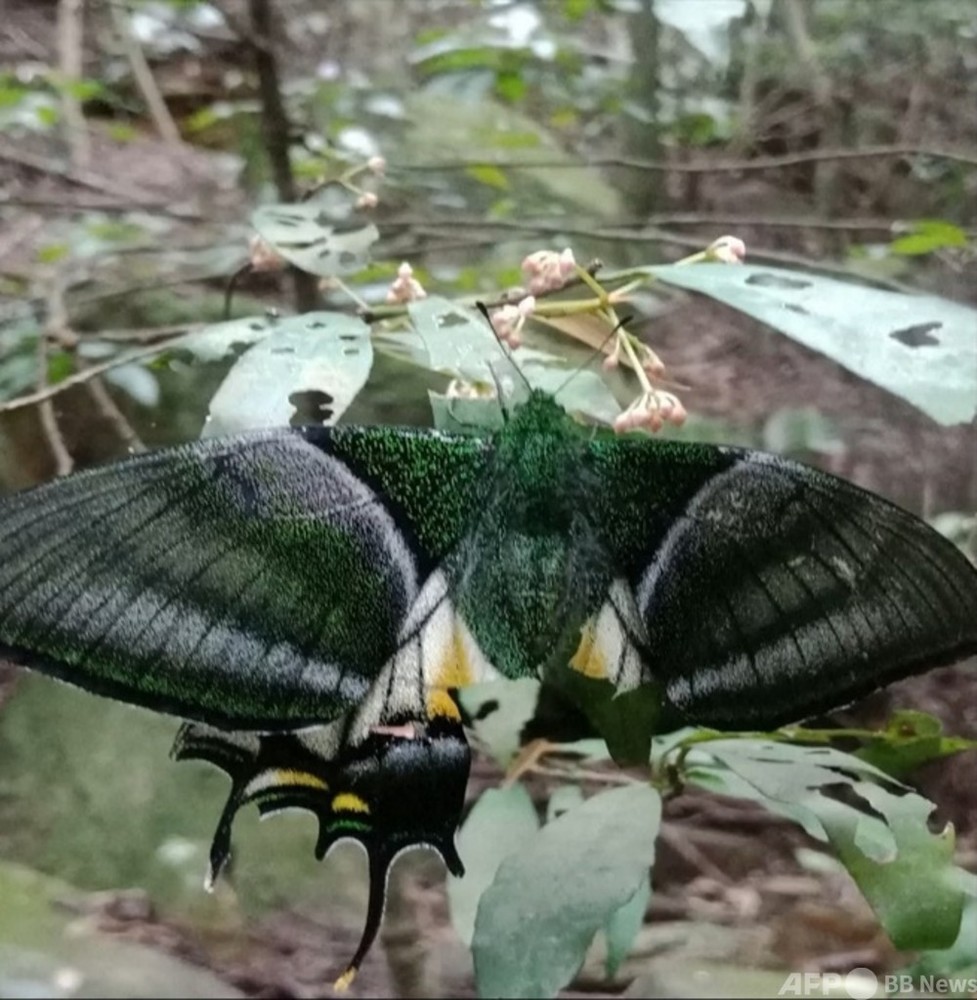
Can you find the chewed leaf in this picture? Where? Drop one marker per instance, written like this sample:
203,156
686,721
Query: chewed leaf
457,339
877,827
307,371
389,793
217,340
308,236
920,347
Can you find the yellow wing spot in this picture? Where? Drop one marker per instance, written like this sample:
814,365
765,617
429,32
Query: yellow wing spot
300,778
348,802
454,670
588,659
440,704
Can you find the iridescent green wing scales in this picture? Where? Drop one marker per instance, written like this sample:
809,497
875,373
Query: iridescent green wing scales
257,583
769,591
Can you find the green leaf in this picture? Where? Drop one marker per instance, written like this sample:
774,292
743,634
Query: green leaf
460,343
562,799
920,347
218,340
487,174
18,357
465,416
961,957
623,926
625,721
499,824
307,371
928,235
538,918
309,236
905,872
911,738
457,339
582,392
60,365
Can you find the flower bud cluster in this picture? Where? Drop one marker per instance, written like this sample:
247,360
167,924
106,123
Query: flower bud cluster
405,287
264,257
508,320
652,410
548,271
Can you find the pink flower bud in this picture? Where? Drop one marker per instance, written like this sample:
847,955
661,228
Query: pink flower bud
367,200
727,250
376,165
264,257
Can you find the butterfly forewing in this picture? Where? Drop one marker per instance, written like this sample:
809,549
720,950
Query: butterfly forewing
255,583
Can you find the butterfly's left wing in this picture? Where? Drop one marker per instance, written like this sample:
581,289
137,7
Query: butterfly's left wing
261,585
258,582
762,591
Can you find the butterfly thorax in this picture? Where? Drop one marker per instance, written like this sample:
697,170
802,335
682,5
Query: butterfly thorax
533,569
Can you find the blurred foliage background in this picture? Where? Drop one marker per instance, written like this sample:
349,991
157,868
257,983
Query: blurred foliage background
136,137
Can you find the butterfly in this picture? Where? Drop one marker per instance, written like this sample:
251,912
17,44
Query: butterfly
310,600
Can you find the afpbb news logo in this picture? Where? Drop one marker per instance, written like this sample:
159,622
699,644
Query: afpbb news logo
863,984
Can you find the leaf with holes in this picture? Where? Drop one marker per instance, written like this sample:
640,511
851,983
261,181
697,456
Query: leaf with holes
910,739
460,343
539,917
877,827
217,340
920,347
307,371
310,237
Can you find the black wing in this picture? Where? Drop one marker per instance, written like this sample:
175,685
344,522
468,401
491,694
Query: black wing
253,583
768,590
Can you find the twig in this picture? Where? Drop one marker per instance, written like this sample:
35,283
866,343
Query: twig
46,392
151,334
111,412
705,167
872,224
143,75
70,24
63,461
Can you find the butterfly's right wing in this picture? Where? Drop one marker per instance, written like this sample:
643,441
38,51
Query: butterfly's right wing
762,591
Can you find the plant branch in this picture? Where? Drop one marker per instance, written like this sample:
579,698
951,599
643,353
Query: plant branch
45,392
964,157
144,78
49,422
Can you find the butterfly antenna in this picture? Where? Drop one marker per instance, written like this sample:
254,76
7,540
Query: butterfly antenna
597,351
483,309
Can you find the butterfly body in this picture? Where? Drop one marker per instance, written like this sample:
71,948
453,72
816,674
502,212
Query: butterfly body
311,598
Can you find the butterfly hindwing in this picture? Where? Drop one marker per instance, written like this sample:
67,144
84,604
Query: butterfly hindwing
254,583
768,590
401,787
